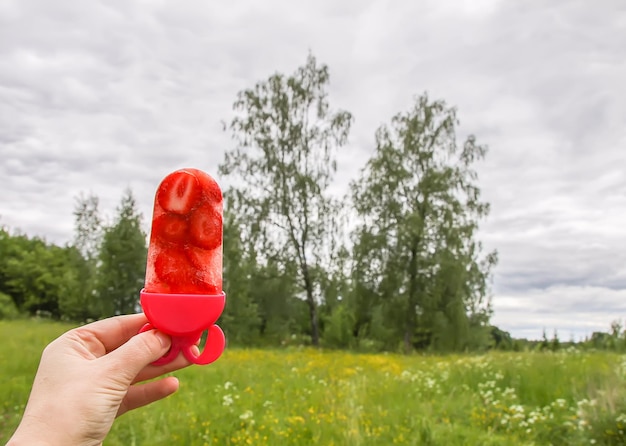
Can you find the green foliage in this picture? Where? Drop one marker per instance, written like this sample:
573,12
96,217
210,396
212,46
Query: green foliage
309,396
88,230
87,226
283,167
545,343
78,302
614,339
410,276
240,319
122,261
500,339
8,310
555,344
338,328
415,251
35,274
22,343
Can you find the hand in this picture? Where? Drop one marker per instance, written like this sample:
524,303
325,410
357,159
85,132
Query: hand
88,376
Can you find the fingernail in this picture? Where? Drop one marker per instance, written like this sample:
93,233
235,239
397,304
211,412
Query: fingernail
163,339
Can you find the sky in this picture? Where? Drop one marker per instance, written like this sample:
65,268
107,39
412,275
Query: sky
97,96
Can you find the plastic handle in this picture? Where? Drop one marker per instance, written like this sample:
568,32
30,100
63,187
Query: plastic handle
213,349
185,317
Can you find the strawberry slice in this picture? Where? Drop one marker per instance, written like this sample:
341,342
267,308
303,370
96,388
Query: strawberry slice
174,268
179,192
209,264
205,227
171,228
200,257
212,191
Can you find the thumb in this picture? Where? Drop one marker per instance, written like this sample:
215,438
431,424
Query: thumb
138,352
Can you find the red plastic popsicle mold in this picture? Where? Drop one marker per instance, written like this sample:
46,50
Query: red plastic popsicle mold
183,294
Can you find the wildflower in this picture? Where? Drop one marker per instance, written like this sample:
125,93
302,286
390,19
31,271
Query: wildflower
227,400
560,403
246,415
508,391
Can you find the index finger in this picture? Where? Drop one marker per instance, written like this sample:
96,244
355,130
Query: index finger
108,334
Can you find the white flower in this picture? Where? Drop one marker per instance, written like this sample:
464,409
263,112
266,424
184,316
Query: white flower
560,402
508,391
227,400
246,415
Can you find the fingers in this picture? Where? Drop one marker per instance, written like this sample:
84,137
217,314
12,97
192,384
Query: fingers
143,394
132,357
106,335
153,371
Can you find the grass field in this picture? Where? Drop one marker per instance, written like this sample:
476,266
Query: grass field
303,397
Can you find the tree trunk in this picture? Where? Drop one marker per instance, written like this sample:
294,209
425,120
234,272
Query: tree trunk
411,317
315,332
407,340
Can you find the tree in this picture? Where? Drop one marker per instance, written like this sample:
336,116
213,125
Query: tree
8,310
555,343
122,261
415,252
545,343
87,226
35,274
284,163
501,339
240,319
88,229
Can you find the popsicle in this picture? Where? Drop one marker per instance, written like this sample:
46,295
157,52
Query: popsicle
183,295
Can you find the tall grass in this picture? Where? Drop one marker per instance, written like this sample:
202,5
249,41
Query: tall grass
304,396
21,344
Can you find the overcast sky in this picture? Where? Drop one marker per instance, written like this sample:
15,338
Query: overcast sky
97,96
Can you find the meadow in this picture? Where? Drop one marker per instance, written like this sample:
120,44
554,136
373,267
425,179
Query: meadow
302,396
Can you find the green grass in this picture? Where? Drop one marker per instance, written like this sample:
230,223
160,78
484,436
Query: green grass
303,397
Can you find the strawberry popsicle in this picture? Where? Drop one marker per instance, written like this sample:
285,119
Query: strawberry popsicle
183,293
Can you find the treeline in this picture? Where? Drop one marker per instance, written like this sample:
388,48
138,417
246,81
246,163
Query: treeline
97,275
614,339
393,265
611,340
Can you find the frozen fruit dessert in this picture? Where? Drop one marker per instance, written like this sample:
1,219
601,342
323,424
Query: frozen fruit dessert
185,253
183,293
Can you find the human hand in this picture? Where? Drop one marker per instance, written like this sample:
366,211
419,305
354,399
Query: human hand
89,376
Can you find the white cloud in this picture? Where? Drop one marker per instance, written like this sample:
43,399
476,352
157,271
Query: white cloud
99,96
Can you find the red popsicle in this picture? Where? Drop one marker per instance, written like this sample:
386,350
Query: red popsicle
183,291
